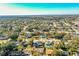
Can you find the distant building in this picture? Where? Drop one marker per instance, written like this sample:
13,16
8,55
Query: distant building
43,35
3,37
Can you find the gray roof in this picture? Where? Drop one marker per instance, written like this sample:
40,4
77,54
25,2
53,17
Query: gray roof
3,37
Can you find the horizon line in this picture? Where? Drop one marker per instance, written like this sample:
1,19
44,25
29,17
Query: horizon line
35,14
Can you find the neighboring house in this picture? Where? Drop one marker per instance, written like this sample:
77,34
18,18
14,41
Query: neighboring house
37,44
65,53
28,51
43,35
28,35
40,50
3,37
49,52
56,41
43,40
48,44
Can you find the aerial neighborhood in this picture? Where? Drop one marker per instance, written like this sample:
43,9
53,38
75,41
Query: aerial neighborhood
39,35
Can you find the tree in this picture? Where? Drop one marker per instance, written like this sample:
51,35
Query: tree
14,36
10,49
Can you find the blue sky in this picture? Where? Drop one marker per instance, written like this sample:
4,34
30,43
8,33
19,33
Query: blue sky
47,5
39,8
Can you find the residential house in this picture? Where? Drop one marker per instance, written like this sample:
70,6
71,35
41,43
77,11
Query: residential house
37,44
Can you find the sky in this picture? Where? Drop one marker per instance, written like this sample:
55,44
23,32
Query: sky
39,8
